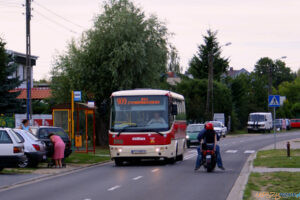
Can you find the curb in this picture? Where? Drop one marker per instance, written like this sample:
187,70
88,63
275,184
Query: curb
50,176
238,188
237,191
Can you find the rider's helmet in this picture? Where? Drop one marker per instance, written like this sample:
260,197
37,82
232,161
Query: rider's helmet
209,126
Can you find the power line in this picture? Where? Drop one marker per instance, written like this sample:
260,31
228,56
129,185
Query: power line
55,22
57,15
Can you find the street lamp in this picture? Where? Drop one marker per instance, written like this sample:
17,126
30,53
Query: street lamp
270,74
210,88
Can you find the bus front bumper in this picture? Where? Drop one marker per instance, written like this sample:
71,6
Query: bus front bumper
155,151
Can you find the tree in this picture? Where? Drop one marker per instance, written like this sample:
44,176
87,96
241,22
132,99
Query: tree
174,61
194,91
279,71
200,62
9,103
124,50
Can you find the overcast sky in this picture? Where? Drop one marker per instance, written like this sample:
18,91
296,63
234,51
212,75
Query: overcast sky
256,28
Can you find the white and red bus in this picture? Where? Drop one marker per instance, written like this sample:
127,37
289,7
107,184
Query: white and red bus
147,123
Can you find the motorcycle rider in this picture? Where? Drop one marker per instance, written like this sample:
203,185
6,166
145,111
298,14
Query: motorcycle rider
208,135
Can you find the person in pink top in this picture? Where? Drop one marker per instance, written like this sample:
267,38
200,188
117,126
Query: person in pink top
59,149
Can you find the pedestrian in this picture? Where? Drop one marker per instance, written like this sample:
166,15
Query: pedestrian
25,125
59,149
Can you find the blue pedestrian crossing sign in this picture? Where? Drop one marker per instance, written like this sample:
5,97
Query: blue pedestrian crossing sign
274,100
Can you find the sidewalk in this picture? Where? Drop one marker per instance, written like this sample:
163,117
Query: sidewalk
237,191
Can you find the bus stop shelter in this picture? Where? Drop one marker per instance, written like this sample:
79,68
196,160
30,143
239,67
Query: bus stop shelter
83,135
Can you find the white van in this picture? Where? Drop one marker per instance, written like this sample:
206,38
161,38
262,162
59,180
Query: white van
260,122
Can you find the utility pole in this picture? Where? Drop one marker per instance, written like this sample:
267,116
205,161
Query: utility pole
28,60
209,96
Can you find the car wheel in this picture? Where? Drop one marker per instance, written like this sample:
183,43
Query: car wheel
179,158
1,168
224,135
24,162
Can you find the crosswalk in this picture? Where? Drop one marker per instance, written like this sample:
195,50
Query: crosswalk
192,153
236,151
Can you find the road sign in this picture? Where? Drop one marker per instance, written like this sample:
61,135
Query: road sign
274,101
77,95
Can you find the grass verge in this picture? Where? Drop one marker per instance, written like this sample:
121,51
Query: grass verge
277,159
17,171
89,158
268,185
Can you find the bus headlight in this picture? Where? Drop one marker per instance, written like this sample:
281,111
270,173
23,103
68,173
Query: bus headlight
119,150
157,149
187,136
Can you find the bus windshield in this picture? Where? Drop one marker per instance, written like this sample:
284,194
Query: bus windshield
139,113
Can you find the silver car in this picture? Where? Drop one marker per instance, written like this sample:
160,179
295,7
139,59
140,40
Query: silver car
34,149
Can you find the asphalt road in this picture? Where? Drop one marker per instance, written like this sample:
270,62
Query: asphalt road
150,180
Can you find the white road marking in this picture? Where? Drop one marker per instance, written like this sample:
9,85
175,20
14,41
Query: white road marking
249,151
137,178
155,170
190,156
231,151
87,199
113,188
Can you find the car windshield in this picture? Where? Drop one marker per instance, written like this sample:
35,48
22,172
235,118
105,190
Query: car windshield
44,132
26,134
195,128
139,113
217,124
257,117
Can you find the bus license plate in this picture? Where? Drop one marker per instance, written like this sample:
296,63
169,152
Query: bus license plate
138,151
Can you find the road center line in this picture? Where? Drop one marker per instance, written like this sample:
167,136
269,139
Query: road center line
137,178
155,170
231,151
249,151
113,188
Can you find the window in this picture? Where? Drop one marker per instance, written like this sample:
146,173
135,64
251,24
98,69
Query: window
44,132
4,138
20,137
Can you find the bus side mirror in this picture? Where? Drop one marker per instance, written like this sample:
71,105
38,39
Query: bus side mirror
174,110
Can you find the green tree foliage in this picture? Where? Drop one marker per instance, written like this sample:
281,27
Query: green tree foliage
124,50
174,61
8,100
194,91
291,107
280,72
199,63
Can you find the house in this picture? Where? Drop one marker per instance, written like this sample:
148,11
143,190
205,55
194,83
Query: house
235,73
172,78
20,60
36,92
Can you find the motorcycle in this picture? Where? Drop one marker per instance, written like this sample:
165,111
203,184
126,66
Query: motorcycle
209,158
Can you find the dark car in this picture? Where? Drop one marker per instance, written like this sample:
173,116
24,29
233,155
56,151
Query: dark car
42,133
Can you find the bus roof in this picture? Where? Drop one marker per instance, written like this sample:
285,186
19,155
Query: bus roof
142,92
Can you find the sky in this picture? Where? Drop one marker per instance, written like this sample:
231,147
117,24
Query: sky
256,28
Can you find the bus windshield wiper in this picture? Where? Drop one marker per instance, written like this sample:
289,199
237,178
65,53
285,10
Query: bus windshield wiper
152,130
125,127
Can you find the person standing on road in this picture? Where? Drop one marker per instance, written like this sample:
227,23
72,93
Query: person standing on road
208,135
25,125
59,149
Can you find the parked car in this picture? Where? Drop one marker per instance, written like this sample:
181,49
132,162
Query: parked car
219,127
288,124
280,124
260,122
295,123
42,133
34,149
11,149
192,132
